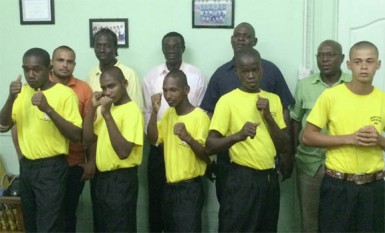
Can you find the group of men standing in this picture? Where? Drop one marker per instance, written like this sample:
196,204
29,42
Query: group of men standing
95,132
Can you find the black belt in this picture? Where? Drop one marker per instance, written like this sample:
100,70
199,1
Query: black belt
195,179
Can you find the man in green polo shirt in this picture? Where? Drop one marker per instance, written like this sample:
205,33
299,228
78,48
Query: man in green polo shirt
309,160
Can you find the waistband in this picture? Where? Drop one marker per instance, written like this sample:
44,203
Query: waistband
264,171
42,161
117,171
356,178
195,179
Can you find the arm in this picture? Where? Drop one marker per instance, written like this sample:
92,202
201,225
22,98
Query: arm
89,167
196,147
296,129
216,142
152,127
121,146
65,127
15,141
280,137
6,122
313,137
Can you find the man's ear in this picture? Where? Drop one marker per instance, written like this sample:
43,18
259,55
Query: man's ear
255,41
125,83
187,89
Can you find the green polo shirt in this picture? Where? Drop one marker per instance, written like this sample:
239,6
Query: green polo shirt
309,159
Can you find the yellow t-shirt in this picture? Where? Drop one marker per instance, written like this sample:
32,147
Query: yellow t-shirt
180,161
343,113
232,111
38,136
129,120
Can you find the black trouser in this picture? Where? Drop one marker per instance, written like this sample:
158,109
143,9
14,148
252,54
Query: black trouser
71,200
156,175
42,189
348,207
182,206
115,200
221,170
250,202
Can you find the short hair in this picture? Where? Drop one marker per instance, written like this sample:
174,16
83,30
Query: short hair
40,53
246,52
111,35
63,47
178,74
337,46
115,72
174,34
248,26
363,44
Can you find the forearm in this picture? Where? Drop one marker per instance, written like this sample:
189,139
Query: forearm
317,139
68,129
296,129
152,129
121,146
215,144
281,138
198,149
88,127
6,122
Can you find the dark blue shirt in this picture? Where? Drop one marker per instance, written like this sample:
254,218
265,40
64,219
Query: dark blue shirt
225,80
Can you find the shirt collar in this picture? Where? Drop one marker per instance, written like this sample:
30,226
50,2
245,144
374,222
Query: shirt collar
163,70
99,71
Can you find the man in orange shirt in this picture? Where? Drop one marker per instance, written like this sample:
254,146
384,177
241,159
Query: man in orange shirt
63,64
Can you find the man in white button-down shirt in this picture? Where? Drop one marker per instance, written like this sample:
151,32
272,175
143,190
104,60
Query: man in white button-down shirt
173,46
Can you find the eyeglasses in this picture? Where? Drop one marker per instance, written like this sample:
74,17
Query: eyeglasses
327,55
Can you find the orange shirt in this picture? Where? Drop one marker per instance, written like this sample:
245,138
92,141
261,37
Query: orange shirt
83,91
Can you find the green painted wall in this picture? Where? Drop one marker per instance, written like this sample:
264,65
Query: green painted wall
281,38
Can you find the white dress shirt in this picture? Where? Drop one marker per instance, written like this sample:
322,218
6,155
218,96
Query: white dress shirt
153,84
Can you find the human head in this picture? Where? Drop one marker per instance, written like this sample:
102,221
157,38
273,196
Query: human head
249,69
105,45
243,36
63,62
36,67
329,58
363,61
175,88
114,84
173,46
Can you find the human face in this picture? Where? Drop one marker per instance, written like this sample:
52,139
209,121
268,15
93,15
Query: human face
329,60
35,72
363,63
113,88
63,63
243,36
174,92
172,49
249,71
104,49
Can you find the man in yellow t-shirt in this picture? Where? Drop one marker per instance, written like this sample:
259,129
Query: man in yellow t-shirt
249,122
182,130
352,191
47,117
118,137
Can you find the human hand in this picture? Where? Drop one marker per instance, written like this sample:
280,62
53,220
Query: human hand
263,106
285,166
15,87
181,131
155,101
249,129
210,172
89,169
367,136
40,101
96,96
106,103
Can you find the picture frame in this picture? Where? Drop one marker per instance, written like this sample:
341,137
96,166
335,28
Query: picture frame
213,13
37,12
119,26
